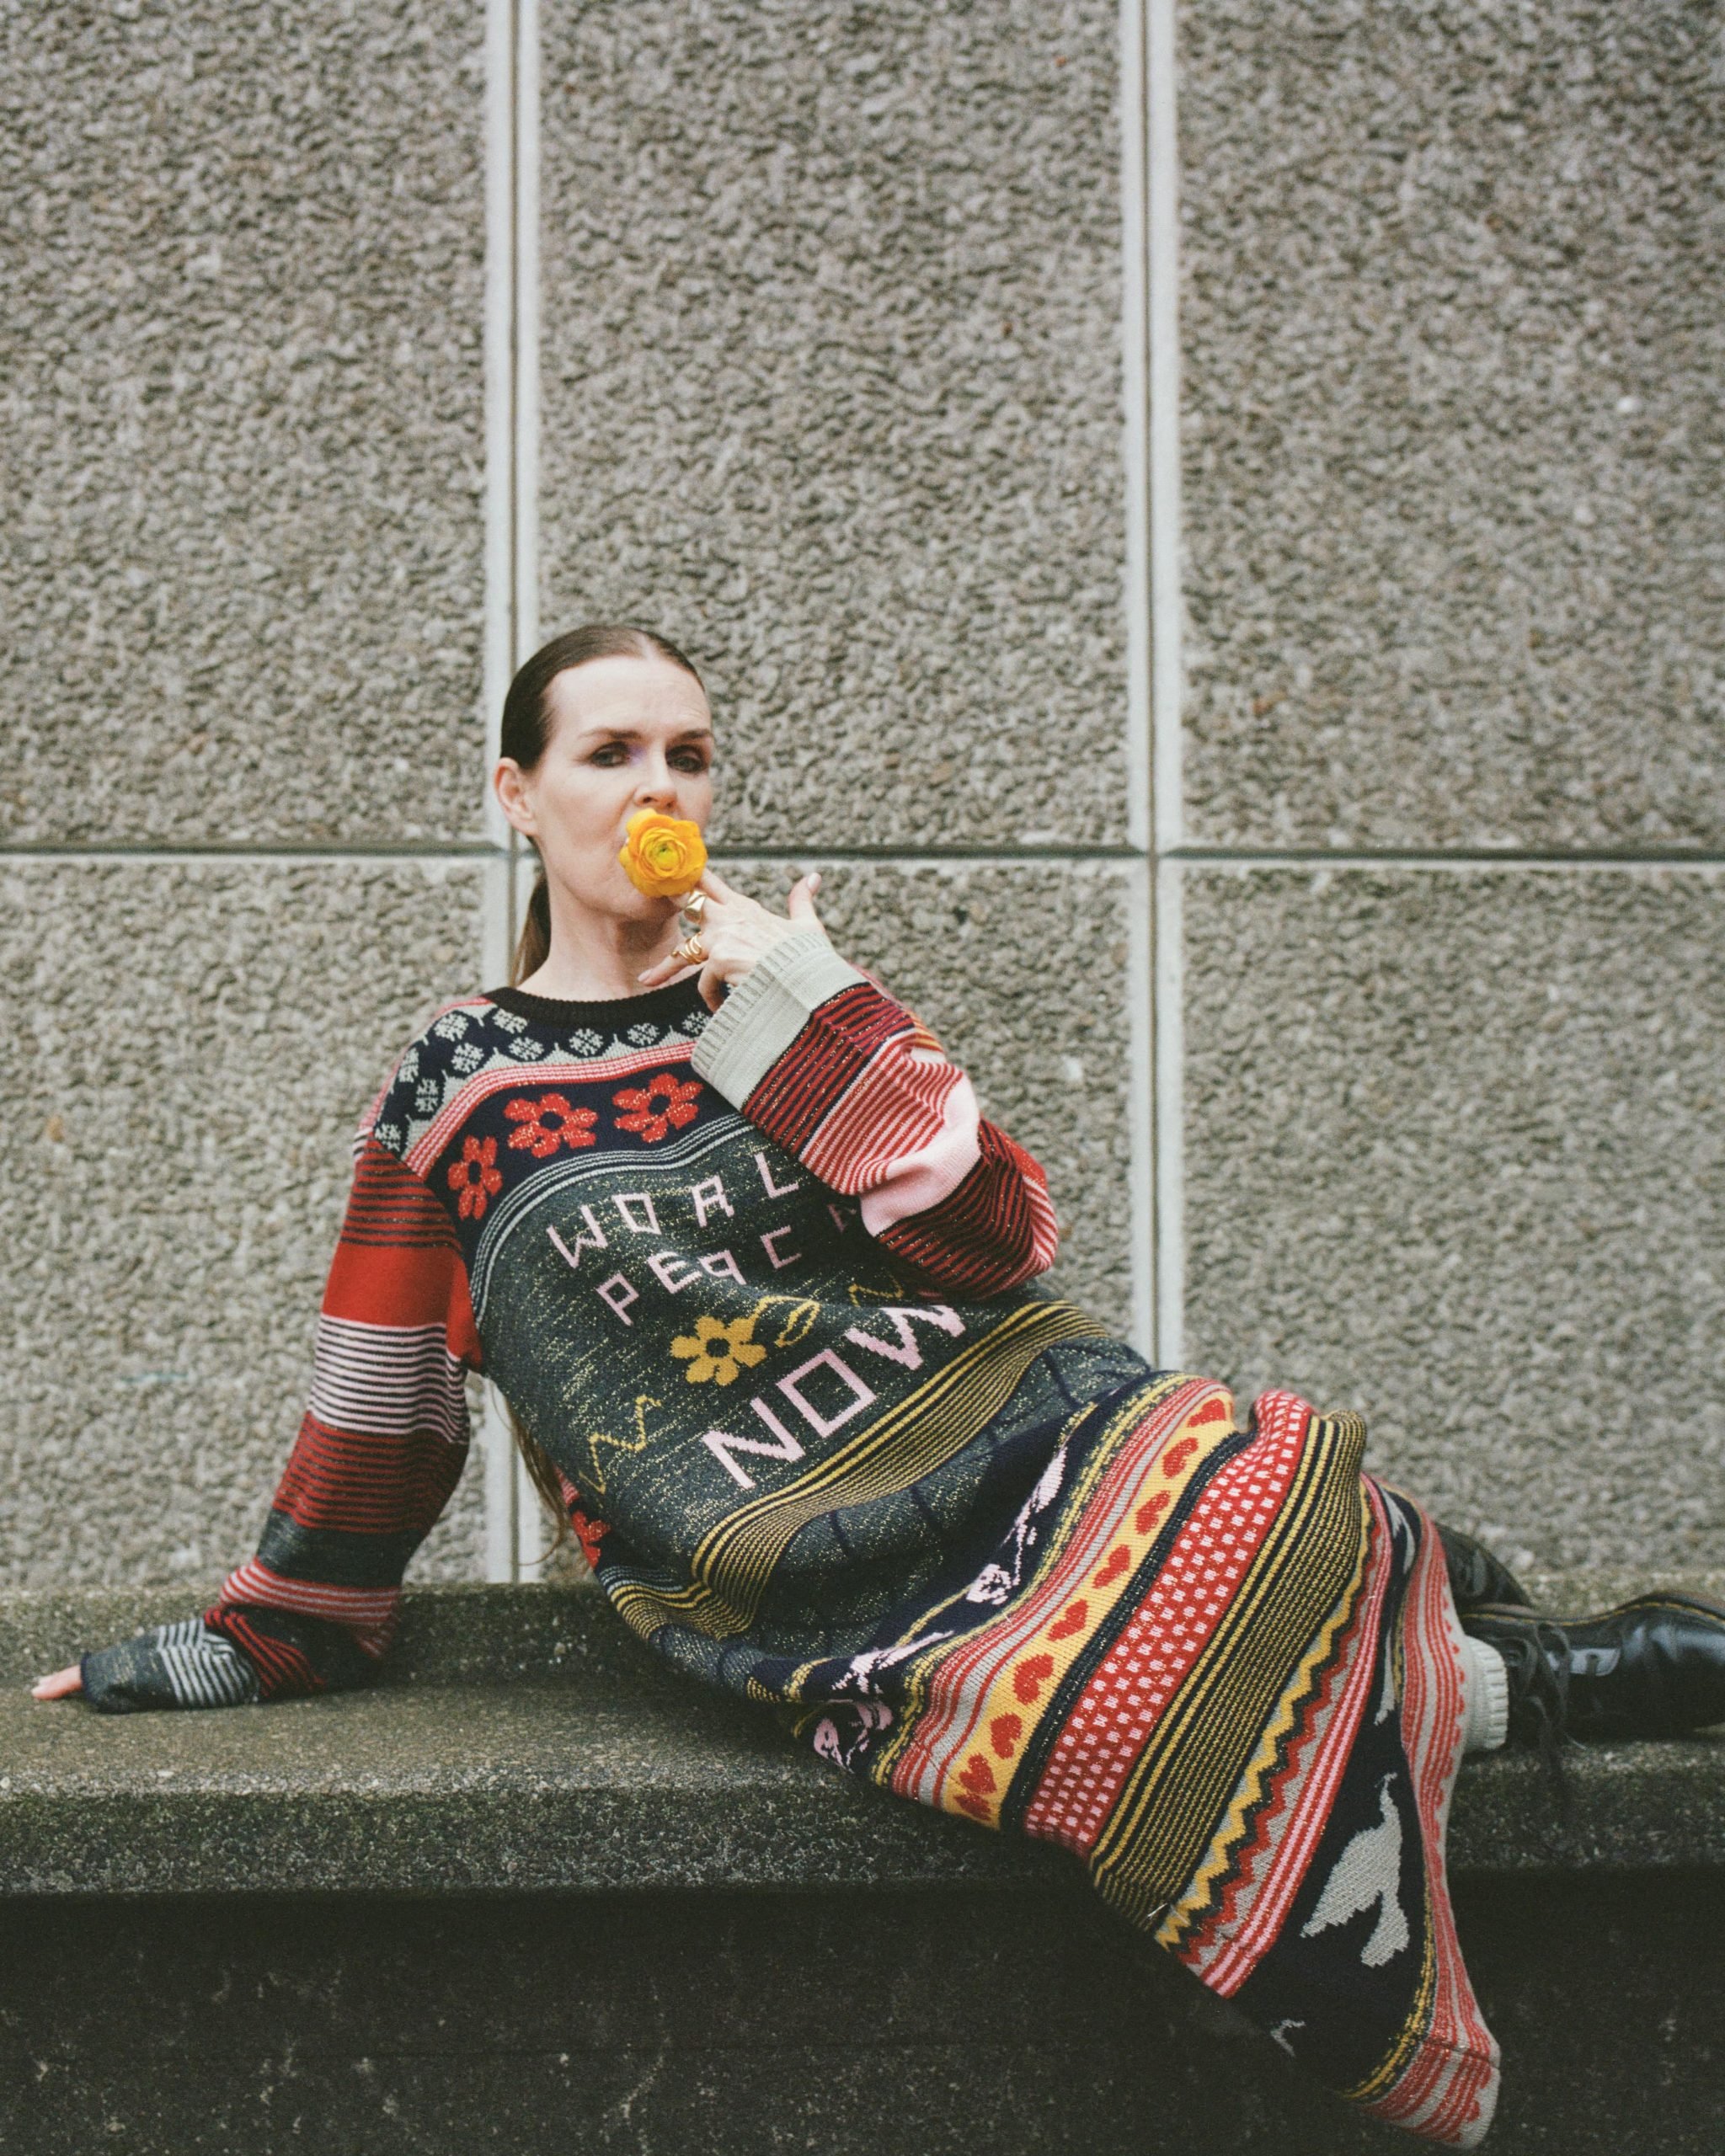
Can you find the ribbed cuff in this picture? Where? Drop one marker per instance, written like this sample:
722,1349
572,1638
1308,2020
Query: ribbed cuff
764,1013
182,1665
1485,1689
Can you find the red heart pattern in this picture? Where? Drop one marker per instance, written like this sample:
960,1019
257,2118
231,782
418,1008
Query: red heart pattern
1118,1558
1003,1733
1075,1619
1176,1457
978,1776
1150,1511
1029,1678
1213,1411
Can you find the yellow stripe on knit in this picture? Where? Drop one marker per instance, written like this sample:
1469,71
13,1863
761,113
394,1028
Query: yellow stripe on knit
1169,1811
733,1564
1193,1899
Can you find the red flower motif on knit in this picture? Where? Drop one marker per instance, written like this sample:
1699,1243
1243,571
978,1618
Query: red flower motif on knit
476,1176
588,1533
666,1099
548,1122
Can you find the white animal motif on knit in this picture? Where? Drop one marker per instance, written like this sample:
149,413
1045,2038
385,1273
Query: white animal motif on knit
1368,1872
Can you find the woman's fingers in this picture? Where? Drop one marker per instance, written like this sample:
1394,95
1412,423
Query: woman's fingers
60,1685
735,931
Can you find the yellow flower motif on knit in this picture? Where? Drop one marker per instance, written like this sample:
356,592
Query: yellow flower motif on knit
718,1351
664,855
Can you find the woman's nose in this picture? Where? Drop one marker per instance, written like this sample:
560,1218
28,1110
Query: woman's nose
654,787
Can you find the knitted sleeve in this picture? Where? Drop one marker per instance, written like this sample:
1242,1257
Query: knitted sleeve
816,1054
379,1452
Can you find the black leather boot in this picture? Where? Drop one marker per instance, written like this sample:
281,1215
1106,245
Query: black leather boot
1477,1577
1653,1666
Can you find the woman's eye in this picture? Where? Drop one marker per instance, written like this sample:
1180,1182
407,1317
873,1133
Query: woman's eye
692,760
613,752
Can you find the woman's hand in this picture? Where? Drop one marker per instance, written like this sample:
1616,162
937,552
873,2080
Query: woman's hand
735,932
60,1685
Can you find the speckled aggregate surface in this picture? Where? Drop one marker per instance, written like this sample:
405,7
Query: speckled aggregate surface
1455,1160
189,1050
1454,423
831,396
241,430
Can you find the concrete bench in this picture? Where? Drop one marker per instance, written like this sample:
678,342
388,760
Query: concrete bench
533,1890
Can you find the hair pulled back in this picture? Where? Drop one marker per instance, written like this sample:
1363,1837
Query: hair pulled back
526,734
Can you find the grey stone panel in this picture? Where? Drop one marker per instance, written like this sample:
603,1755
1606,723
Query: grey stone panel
1453,1160
187,1054
1021,973
241,427
1455,423
831,396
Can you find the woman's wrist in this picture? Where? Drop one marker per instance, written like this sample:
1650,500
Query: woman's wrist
768,1007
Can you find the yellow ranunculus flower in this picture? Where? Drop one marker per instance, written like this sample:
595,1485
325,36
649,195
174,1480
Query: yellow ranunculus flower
664,855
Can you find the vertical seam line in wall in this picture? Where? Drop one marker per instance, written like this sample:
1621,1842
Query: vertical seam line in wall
1134,390
527,325
529,1541
1167,604
497,1448
1170,1122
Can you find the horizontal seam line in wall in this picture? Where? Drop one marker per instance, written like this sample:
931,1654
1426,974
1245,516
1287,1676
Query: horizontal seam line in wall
47,850
1206,856
1193,856
912,857
440,849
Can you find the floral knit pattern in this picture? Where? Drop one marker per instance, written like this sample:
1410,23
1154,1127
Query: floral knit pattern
543,1125
664,1103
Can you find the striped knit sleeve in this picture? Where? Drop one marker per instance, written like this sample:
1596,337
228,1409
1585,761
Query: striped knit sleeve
816,1054
379,1451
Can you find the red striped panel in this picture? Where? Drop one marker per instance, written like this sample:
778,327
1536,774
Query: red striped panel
367,1612
819,1067
398,1261
398,1325
387,1205
367,1485
894,1109
866,1099
284,1671
995,1230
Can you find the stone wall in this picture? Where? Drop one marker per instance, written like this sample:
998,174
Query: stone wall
835,382
241,581
1453,440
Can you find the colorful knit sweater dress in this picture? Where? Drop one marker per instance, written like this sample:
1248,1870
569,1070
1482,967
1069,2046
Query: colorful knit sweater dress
763,1285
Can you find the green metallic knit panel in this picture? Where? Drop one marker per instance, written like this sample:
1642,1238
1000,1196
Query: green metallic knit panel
718,1356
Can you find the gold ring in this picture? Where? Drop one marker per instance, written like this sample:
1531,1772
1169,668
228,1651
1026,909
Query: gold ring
694,908
691,951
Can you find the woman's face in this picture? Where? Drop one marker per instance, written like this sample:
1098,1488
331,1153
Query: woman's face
626,734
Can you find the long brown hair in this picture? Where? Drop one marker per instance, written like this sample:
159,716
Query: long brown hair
526,735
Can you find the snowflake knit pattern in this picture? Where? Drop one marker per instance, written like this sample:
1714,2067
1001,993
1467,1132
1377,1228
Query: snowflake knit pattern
765,1286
